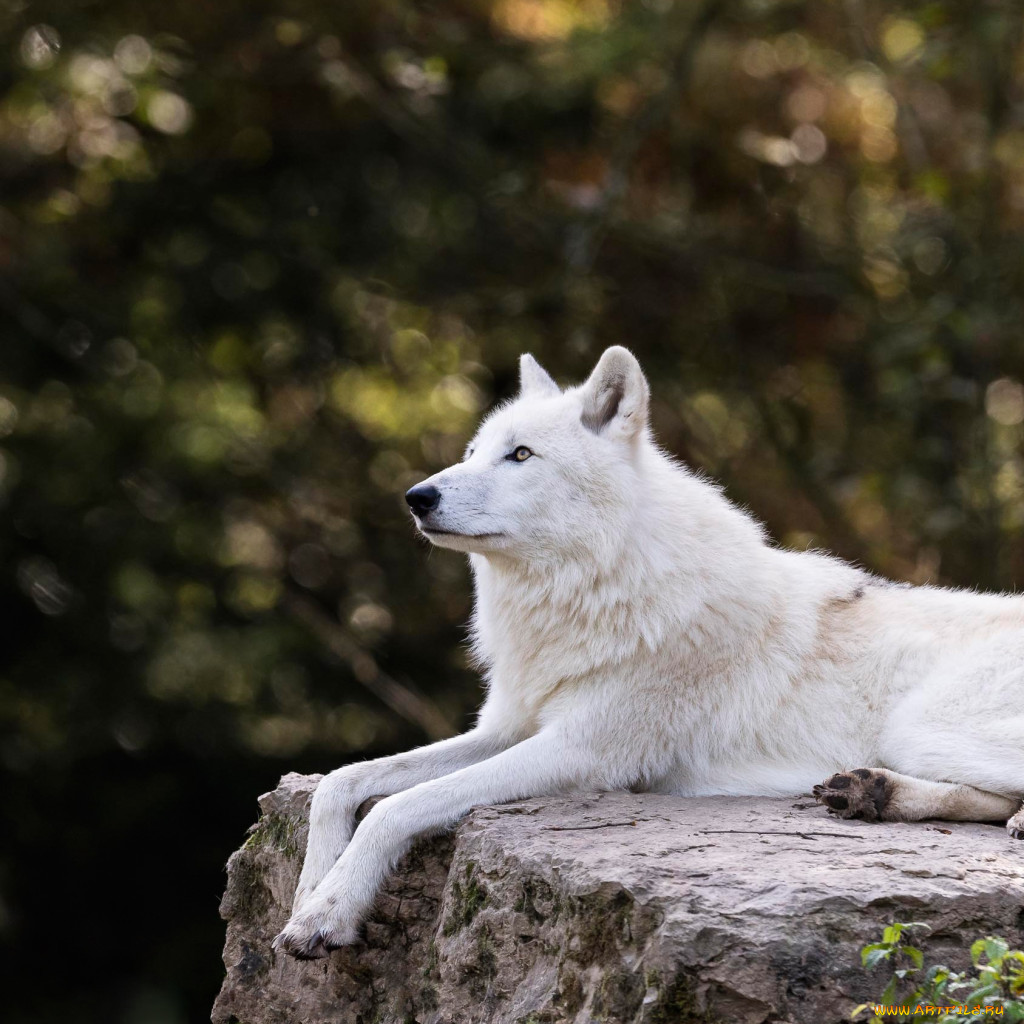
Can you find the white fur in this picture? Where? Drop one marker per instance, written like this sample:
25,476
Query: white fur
637,630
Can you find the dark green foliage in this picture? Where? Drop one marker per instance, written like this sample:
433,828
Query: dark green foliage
262,266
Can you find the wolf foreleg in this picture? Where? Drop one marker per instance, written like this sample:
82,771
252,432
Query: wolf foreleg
339,794
544,763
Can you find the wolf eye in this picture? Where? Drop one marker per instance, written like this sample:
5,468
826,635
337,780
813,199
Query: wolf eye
468,455
521,454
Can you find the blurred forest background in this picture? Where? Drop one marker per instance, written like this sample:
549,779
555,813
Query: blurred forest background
263,263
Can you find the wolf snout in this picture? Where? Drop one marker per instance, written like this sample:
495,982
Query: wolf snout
423,498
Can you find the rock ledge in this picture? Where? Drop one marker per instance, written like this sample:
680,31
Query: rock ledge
617,907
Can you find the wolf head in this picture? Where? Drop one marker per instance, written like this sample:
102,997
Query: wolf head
548,473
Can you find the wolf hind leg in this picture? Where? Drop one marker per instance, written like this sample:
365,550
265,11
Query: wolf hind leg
877,794
1015,826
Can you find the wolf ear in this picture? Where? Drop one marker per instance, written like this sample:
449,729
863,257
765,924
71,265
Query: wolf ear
534,379
615,396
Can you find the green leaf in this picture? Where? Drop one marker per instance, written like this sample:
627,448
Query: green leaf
996,949
981,993
873,957
915,955
889,993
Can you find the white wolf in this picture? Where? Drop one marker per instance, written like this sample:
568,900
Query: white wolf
639,632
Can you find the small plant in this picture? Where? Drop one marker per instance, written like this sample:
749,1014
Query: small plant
995,988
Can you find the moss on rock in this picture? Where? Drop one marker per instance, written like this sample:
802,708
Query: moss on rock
468,898
275,831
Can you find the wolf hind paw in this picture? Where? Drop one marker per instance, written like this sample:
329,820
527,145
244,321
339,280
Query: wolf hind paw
862,793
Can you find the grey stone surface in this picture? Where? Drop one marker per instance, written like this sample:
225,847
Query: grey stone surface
617,907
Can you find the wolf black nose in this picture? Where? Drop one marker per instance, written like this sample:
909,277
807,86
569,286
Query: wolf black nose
423,498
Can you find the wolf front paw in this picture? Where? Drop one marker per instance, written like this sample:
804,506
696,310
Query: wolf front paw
302,945
313,936
862,793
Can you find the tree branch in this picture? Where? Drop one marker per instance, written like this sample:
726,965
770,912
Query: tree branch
405,702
